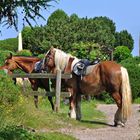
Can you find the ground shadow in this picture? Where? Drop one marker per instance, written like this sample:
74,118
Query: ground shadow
97,122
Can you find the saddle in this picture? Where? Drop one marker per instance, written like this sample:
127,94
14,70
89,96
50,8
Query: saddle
80,68
38,66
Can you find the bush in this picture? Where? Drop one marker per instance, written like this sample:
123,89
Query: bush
24,53
41,56
3,56
105,97
18,133
9,96
121,53
133,67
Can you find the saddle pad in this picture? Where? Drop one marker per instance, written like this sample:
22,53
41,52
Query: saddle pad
89,69
38,66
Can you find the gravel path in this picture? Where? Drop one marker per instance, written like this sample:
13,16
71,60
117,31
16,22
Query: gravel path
130,132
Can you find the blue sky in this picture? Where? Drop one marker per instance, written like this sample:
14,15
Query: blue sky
125,14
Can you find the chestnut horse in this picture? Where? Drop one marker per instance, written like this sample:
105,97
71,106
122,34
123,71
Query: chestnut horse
27,64
105,76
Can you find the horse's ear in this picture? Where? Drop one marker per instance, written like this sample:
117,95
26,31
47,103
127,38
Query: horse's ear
51,49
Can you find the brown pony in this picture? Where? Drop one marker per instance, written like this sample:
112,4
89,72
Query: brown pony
105,76
27,64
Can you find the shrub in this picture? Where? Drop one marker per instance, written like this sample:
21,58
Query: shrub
24,53
8,98
133,67
105,97
41,56
121,53
3,56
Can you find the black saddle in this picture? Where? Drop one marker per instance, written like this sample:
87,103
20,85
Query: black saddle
38,66
80,67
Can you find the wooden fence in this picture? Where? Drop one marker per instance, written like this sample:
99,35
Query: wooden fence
58,76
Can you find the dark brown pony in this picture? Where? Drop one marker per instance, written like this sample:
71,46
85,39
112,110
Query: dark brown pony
105,76
27,64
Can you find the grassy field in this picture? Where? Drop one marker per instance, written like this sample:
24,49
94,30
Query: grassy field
47,123
44,117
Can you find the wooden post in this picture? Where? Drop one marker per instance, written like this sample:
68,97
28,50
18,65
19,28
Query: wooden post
24,85
58,90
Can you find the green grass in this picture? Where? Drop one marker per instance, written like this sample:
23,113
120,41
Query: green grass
47,123
20,133
44,117
137,101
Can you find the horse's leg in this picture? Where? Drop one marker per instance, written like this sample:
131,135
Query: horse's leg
78,106
51,101
35,88
118,115
72,112
36,100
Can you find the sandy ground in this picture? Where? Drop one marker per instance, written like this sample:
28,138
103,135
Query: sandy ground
130,132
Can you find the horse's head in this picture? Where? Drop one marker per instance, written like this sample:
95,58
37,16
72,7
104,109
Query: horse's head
57,59
49,60
9,64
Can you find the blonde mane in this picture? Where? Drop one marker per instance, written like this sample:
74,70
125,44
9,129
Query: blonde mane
62,59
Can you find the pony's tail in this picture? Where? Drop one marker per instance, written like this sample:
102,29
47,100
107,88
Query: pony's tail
126,94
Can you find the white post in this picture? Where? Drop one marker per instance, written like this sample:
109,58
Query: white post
20,42
58,90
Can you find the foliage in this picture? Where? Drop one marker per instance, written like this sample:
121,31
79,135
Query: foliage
10,44
123,38
62,31
9,92
45,118
121,53
33,38
41,56
105,97
57,15
24,53
4,55
87,50
29,10
14,132
133,67
8,99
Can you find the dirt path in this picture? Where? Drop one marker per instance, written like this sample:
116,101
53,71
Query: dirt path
129,132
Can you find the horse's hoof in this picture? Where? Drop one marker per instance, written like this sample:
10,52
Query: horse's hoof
117,124
78,119
69,114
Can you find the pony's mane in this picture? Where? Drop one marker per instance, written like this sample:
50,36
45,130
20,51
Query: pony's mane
61,59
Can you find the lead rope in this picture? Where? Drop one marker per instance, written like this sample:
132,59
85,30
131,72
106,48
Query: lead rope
50,85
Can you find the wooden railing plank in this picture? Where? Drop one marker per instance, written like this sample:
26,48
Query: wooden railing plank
41,75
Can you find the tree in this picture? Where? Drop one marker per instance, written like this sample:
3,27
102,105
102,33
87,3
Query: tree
121,53
33,38
133,67
10,44
87,50
123,38
63,31
29,9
